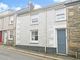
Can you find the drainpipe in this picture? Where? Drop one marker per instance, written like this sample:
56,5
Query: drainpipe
15,30
46,31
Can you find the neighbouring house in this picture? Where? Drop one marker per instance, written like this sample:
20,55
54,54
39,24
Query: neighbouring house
7,27
73,26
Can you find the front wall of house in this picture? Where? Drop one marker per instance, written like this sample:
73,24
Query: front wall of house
52,25
6,27
6,23
24,28
12,25
47,29
50,28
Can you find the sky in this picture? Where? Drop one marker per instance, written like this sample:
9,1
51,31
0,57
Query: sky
19,4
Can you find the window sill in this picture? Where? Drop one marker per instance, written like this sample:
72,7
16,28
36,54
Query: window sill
34,24
60,20
11,24
10,39
34,42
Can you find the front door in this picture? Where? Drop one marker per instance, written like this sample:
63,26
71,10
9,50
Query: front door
61,40
0,37
5,37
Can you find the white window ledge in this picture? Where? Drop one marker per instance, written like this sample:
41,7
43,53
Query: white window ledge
34,42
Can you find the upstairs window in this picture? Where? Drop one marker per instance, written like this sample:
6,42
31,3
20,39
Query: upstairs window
10,35
34,19
11,19
61,14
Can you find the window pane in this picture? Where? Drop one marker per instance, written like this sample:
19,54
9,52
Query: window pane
36,37
11,34
33,33
33,38
11,19
36,33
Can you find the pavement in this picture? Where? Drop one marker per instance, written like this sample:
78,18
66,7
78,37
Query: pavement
40,55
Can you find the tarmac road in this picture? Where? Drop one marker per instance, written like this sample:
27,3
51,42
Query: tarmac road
5,54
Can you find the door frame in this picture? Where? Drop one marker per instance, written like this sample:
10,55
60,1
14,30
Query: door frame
3,32
66,42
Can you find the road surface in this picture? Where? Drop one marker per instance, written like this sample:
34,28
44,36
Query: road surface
6,54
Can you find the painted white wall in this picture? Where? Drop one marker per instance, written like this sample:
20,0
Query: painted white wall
24,27
50,28
52,25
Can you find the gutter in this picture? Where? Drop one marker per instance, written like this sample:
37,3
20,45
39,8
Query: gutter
72,2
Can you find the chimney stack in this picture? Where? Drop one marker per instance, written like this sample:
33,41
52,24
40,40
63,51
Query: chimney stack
30,5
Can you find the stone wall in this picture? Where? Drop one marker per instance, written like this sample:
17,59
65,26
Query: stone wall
73,24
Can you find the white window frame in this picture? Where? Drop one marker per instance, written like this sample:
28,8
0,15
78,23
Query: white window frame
11,20
33,36
9,35
61,14
35,19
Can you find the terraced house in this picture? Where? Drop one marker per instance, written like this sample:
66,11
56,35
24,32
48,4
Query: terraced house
7,27
47,29
42,30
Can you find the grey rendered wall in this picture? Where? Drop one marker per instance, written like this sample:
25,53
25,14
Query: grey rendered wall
1,24
6,23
